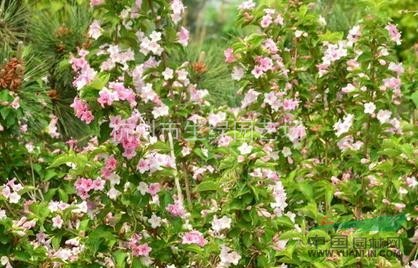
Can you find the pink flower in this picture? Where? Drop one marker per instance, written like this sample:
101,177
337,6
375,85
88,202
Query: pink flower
84,186
411,182
194,237
224,140
247,5
352,65
96,2
348,88
107,97
399,206
296,133
128,132
229,55
257,72
392,83
250,97
290,104
141,250
176,209
394,34
272,99
84,76
270,46
197,95
154,188
143,165
57,222
333,53
354,34
98,184
397,68
178,10
122,93
280,196
111,163
15,103
266,21
264,63
183,36
82,111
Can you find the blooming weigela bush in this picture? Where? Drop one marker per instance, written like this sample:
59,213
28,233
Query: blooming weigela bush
170,179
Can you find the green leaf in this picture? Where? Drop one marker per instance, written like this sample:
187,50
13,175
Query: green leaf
207,185
193,248
284,221
100,81
414,98
289,235
307,190
120,257
332,37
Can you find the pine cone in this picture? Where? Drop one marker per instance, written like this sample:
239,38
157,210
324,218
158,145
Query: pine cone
11,75
199,67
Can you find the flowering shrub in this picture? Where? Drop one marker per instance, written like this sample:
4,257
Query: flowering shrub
172,180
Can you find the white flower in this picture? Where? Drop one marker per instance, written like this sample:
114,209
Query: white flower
29,146
63,254
247,5
2,214
384,116
168,74
215,119
185,151
14,198
237,73
411,182
53,206
342,127
349,88
142,188
95,31
369,108
245,148
15,103
160,111
298,33
228,257
322,21
221,224
155,221
81,208
113,193
286,152
280,245
4,260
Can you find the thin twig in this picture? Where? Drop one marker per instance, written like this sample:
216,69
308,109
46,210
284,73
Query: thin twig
176,178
